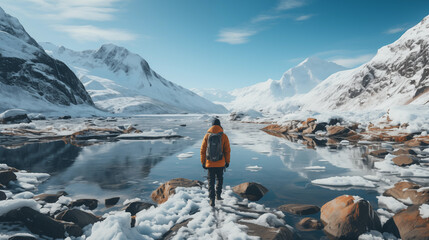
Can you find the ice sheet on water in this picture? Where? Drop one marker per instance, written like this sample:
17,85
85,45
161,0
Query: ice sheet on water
391,203
344,181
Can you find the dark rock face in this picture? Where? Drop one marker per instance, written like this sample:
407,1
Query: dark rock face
89,203
250,190
21,118
348,218
33,71
136,207
50,197
78,217
22,237
7,176
299,209
2,196
110,202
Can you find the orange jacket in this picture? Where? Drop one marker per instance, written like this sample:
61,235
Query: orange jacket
225,147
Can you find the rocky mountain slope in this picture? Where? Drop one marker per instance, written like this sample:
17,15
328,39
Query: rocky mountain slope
297,80
123,82
30,78
397,75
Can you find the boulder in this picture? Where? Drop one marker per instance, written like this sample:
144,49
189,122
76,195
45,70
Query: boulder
408,190
410,224
22,237
314,127
379,153
81,218
2,196
50,197
346,217
335,121
268,233
136,207
309,224
89,203
416,143
405,160
299,209
41,224
161,194
110,202
13,116
250,190
6,176
402,151
65,117
337,131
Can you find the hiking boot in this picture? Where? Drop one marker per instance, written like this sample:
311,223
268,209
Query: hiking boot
218,197
212,202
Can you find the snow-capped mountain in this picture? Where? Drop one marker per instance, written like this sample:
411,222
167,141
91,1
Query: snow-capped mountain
30,78
397,75
122,82
297,80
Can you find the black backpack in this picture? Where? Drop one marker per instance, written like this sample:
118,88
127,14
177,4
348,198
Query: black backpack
214,150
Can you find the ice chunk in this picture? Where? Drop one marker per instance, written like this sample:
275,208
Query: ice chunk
424,211
344,181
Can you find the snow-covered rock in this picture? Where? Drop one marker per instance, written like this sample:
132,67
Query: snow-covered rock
123,82
297,80
397,75
31,78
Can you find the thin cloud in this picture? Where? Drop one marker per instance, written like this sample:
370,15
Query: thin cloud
304,17
290,4
264,17
395,30
235,36
353,62
92,33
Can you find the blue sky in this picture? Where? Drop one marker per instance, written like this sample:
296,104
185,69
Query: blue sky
223,44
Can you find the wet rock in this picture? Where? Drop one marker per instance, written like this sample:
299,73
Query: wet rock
13,116
161,194
276,128
89,203
173,231
136,207
390,227
65,117
22,237
335,121
79,217
299,209
408,190
268,233
50,197
250,190
337,131
346,217
41,224
309,224
402,151
2,196
416,143
405,160
110,202
314,127
6,176
410,224
379,153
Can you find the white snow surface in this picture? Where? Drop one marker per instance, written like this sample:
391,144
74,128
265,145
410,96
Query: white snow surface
424,211
345,181
376,235
122,82
12,113
12,204
391,203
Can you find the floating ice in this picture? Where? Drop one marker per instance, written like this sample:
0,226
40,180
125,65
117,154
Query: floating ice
391,203
344,181
185,155
315,168
253,168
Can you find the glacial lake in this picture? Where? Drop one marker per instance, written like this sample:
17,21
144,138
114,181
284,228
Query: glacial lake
134,168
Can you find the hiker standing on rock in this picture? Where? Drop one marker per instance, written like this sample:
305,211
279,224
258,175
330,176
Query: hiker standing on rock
215,156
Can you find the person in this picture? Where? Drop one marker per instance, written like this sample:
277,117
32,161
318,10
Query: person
215,166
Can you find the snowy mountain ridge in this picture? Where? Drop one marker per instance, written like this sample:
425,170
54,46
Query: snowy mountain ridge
297,80
123,82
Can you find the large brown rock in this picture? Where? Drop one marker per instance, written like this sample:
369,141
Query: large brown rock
405,160
136,207
50,197
379,153
337,131
309,224
41,224
299,209
88,202
77,216
250,190
268,233
163,192
408,190
6,176
411,225
416,143
346,218
402,151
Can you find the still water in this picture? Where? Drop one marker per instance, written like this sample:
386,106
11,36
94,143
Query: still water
134,168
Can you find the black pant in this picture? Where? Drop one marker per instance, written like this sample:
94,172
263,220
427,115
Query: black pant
218,173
